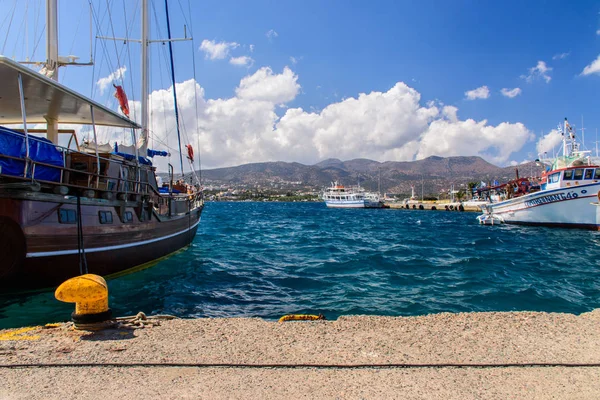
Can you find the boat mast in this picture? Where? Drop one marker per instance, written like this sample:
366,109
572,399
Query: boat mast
52,60
52,38
143,141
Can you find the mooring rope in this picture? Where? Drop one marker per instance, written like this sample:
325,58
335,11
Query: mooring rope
83,267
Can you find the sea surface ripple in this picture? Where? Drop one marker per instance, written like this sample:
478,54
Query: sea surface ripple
253,259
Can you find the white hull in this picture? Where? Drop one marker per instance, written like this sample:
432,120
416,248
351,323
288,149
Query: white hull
574,207
346,204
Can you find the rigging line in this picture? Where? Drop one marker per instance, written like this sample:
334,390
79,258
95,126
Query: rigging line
164,111
5,19
195,92
4,22
107,57
35,27
112,28
76,30
23,22
166,66
7,32
129,53
160,34
166,145
165,60
183,14
93,84
174,86
37,43
99,30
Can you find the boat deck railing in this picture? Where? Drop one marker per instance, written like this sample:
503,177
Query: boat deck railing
123,187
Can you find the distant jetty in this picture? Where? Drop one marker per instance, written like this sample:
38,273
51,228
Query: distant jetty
433,205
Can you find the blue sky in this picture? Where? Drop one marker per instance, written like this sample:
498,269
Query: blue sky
296,96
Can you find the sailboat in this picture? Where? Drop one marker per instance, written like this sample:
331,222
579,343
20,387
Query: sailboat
67,211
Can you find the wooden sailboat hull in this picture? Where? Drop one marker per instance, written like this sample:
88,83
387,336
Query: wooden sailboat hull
40,251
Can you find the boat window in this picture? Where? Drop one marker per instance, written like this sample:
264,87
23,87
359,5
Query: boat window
568,175
589,174
105,217
554,177
127,217
66,216
597,174
578,174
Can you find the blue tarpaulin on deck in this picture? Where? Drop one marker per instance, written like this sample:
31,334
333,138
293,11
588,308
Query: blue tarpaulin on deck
12,143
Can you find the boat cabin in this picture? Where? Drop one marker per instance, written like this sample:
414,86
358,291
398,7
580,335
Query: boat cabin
572,176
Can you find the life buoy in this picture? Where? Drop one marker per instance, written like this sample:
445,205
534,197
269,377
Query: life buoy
190,152
122,97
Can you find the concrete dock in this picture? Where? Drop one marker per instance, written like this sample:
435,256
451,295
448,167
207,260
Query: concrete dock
520,355
434,206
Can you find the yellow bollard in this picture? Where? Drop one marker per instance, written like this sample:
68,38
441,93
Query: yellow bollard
89,292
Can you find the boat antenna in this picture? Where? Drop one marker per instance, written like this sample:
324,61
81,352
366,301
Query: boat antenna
582,132
596,142
174,89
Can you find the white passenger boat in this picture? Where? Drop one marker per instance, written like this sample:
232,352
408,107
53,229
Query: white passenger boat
338,196
567,197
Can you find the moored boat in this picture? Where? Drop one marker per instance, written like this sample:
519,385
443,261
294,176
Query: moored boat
339,196
70,210
566,197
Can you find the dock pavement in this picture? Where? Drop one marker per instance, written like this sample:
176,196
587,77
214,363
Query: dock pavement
497,355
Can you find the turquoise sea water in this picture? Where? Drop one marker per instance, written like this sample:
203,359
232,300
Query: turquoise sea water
270,259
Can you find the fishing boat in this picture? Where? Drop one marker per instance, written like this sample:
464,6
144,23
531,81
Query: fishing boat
70,210
565,196
339,196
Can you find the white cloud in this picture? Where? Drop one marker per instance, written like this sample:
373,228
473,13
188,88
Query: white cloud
293,60
115,76
271,34
251,48
539,71
549,142
593,68
217,51
393,125
510,92
264,85
561,56
482,92
472,138
241,61
598,32
450,112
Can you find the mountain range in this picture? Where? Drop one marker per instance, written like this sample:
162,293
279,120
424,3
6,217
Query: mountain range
431,175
